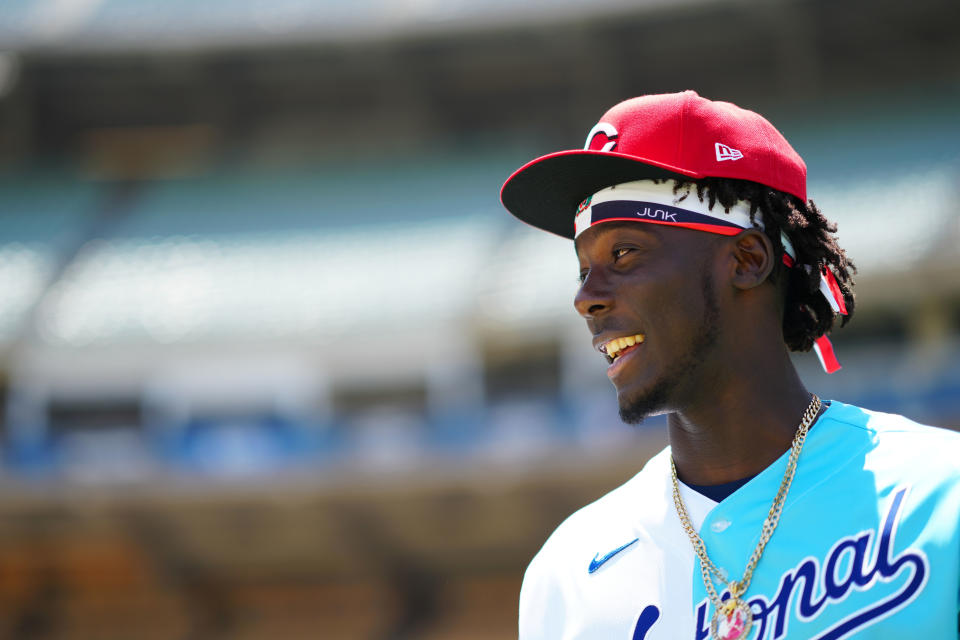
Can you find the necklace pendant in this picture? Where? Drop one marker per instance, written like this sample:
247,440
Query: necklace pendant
732,620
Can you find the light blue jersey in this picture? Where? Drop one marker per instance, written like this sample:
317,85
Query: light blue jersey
867,545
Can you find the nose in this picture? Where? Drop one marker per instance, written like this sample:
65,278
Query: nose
594,296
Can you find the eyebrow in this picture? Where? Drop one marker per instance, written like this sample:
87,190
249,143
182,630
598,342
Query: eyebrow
609,227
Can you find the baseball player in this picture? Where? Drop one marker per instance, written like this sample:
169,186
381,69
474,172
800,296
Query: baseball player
773,513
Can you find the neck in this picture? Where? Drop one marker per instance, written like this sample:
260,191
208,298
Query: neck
746,421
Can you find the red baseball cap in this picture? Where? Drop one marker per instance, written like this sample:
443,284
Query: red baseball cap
672,135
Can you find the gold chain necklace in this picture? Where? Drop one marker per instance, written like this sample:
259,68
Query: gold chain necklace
732,617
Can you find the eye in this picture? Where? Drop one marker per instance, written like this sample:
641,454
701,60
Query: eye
619,252
583,275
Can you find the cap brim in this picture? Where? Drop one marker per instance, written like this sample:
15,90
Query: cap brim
546,192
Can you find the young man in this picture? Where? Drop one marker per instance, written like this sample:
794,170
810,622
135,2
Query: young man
771,514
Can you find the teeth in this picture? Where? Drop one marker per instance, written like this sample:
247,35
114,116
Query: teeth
615,346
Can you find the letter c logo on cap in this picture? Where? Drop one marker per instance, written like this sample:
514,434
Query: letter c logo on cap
608,130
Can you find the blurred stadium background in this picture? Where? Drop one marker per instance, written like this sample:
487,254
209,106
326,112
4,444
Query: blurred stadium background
273,361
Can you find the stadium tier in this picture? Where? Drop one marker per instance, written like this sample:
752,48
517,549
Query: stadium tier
397,299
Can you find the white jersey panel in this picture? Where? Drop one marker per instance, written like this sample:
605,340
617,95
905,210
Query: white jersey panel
618,568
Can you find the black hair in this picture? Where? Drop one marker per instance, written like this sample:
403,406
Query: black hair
807,314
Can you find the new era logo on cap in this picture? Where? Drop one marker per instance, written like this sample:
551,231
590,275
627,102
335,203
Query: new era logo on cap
726,153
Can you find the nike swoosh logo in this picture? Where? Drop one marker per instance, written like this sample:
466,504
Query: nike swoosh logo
596,563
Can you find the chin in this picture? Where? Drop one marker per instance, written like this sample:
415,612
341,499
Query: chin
637,406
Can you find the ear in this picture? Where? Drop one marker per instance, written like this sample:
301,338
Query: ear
753,258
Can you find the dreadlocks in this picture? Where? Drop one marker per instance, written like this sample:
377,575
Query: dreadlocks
807,314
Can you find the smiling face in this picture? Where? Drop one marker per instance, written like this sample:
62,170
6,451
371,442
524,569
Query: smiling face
652,285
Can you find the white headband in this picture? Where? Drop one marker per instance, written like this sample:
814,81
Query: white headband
656,202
